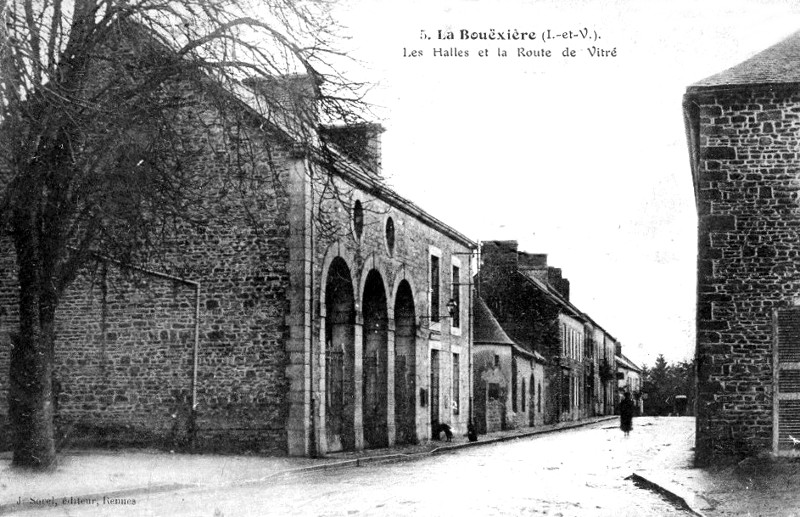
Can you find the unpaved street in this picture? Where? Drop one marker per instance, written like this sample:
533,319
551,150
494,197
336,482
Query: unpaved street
570,473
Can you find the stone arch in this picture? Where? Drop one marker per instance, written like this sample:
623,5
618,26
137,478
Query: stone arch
375,311
373,262
338,331
405,356
334,251
399,278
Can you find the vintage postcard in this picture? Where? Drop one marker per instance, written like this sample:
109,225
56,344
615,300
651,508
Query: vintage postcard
460,257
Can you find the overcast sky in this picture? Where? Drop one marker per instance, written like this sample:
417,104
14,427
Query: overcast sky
583,158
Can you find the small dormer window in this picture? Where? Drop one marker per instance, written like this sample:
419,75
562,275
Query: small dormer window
390,236
358,219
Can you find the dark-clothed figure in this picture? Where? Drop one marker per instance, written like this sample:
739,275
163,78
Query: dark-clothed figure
472,435
626,409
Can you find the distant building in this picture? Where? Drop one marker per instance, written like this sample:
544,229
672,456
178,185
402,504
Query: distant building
743,129
530,301
629,380
508,380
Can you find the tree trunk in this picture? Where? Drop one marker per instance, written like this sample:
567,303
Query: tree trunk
31,366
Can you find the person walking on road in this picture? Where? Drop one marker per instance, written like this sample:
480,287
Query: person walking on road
626,414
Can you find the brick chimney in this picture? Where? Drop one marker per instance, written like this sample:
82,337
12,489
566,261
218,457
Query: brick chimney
531,261
498,262
499,257
498,267
360,142
290,101
535,264
558,282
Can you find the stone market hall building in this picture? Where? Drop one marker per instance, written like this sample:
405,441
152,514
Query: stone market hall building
319,312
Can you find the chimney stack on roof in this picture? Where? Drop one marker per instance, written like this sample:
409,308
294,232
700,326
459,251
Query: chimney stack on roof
535,264
288,99
360,142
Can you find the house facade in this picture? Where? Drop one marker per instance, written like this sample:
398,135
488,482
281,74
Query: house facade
316,311
629,380
573,368
508,380
601,377
743,131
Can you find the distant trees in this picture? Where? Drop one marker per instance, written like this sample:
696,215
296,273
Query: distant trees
663,382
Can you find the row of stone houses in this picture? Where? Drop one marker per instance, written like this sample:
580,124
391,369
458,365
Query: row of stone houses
538,358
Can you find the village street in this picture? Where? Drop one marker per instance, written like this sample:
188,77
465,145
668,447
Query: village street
573,472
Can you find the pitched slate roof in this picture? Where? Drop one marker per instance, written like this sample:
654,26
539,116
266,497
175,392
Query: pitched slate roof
553,295
487,331
778,64
627,363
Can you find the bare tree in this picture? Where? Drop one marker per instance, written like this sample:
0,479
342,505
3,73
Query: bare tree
91,158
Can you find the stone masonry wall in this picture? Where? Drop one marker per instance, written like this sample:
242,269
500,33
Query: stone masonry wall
126,365
124,360
748,249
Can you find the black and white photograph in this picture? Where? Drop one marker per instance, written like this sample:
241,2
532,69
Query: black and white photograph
433,257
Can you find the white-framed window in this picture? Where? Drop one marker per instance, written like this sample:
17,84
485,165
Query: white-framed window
455,295
435,287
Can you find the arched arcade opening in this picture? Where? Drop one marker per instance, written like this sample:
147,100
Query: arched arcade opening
404,365
375,359
339,357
